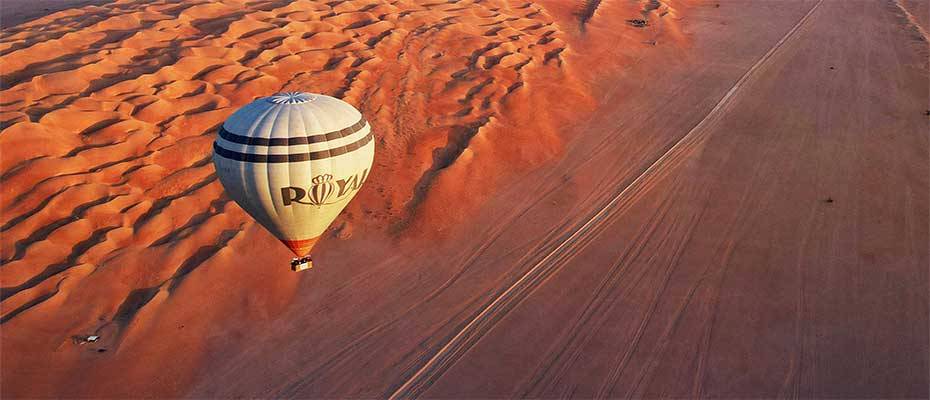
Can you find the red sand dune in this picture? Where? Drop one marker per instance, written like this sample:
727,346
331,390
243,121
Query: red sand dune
109,196
480,259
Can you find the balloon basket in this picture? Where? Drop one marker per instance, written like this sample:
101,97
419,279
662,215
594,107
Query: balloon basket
301,264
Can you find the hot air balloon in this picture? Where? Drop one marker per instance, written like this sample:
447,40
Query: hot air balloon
293,161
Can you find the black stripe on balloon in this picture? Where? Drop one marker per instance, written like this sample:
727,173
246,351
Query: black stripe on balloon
318,138
282,158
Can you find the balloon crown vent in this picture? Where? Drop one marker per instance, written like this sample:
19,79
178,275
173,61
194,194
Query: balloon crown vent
291,98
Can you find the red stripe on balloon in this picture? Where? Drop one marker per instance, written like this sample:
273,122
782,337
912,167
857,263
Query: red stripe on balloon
300,247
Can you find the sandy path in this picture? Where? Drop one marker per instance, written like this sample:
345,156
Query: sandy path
786,258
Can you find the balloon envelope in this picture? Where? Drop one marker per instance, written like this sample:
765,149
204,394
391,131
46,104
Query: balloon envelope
293,161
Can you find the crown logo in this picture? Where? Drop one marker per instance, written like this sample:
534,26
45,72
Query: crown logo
322,189
320,179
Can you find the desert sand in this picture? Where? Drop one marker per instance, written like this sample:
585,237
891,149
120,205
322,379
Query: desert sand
731,201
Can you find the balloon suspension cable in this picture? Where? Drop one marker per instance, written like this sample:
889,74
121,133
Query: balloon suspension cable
302,263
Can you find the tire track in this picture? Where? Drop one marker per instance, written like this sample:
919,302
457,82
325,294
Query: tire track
484,321
619,279
912,20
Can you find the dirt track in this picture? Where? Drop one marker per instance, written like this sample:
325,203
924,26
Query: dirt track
786,258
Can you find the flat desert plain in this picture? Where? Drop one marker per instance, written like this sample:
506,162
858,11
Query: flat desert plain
589,199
